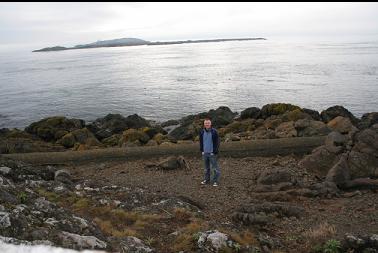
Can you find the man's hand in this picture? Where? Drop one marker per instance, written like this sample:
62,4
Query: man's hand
203,153
211,153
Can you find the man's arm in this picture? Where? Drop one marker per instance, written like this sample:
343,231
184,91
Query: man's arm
201,140
216,142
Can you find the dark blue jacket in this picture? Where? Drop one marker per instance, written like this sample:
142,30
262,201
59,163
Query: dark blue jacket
216,140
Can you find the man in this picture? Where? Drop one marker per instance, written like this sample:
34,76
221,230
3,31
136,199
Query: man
209,145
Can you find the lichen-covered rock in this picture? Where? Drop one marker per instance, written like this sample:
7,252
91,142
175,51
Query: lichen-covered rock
276,109
132,136
80,242
133,244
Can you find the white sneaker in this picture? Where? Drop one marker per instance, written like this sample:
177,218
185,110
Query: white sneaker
204,182
215,184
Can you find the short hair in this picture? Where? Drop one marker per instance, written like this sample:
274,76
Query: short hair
207,119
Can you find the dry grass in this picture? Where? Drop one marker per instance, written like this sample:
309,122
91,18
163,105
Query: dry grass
182,214
244,238
319,234
186,240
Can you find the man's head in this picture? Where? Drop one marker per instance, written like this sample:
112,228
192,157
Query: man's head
207,123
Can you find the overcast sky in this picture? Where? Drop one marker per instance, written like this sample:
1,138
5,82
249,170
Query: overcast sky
68,24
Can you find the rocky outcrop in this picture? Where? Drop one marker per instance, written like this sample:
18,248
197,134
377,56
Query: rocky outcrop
83,138
337,110
115,124
276,109
264,213
191,125
53,128
250,113
349,157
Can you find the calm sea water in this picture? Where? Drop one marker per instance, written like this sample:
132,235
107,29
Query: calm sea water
168,82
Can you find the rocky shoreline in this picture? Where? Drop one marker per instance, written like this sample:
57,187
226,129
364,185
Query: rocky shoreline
325,201
114,130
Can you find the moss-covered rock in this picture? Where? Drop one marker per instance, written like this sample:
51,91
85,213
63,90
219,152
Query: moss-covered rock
295,115
132,136
276,109
112,141
50,129
81,136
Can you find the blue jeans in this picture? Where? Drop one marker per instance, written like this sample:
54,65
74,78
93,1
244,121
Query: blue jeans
211,160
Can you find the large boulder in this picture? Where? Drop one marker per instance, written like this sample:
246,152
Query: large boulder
295,115
314,114
115,124
276,109
337,110
262,133
319,161
307,127
286,130
362,165
191,125
134,136
53,128
81,136
368,119
341,124
339,173
275,176
251,112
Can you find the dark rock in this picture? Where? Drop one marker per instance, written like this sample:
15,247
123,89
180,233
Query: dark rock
339,173
50,128
275,176
367,120
314,114
251,112
362,165
191,125
170,123
319,161
337,110
115,124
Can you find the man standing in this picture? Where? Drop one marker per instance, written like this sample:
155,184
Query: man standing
209,145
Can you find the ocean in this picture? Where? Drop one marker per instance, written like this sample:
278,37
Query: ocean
171,81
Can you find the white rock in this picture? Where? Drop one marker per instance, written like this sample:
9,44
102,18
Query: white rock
4,220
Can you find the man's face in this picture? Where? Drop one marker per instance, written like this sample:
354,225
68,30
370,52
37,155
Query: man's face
207,124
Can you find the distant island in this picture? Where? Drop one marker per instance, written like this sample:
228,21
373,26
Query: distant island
123,42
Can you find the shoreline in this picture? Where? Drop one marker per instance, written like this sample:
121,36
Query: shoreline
272,121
